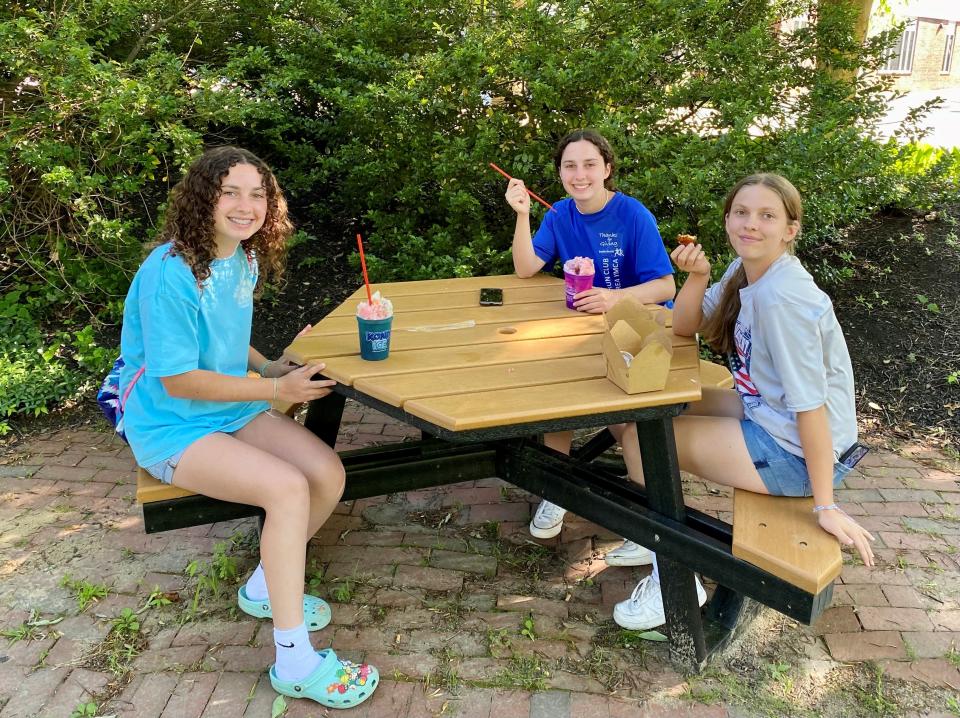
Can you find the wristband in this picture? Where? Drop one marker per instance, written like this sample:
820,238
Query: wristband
263,366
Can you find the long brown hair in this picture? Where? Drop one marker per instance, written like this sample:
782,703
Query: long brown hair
717,329
598,141
189,222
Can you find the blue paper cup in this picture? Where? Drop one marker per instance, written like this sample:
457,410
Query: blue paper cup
374,338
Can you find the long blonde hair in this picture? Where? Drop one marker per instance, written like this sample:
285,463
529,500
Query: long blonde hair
717,329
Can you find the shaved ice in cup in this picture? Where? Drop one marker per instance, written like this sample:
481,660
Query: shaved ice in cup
374,321
578,277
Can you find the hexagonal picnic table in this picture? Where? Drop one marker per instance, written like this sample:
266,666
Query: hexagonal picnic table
482,383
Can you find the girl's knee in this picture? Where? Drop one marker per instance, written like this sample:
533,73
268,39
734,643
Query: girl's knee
287,488
329,478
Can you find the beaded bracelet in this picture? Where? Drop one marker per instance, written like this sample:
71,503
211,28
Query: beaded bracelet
263,366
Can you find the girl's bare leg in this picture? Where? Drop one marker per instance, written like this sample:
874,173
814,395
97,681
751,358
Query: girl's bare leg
714,403
713,448
626,436
288,440
559,441
224,467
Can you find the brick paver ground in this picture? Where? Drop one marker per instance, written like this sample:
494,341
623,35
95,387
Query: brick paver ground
437,588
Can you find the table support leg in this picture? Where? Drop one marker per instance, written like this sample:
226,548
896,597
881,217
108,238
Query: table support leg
677,585
323,417
595,447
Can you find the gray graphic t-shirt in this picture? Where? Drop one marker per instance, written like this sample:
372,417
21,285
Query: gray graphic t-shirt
791,355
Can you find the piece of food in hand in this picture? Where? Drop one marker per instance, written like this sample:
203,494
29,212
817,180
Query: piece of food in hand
380,308
686,239
579,265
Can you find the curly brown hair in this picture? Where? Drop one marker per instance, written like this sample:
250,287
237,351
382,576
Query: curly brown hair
189,224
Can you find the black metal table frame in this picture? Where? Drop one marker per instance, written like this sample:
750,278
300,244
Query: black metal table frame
685,540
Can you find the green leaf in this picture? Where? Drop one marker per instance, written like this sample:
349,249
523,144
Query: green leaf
653,636
279,707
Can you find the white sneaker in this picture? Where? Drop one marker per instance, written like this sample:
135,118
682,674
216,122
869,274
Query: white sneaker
644,609
629,554
548,521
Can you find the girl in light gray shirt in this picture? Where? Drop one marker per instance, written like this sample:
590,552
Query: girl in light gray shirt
789,426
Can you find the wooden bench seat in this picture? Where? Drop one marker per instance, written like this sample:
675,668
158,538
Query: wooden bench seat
150,489
780,534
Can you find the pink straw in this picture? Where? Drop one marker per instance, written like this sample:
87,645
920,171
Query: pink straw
363,265
537,197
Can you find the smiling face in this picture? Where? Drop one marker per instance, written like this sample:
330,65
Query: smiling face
759,228
241,208
583,171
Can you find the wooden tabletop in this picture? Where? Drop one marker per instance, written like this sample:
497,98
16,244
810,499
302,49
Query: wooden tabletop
462,366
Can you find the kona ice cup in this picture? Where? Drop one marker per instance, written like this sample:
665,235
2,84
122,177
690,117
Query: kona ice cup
577,276
374,322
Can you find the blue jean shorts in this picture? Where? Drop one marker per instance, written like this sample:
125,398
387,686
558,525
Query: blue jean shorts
163,470
783,473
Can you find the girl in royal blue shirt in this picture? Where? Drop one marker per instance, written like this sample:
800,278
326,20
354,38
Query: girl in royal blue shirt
620,235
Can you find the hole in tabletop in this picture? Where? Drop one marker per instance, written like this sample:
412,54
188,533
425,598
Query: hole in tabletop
507,330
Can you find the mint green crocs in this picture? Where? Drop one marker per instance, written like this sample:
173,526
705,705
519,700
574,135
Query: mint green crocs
316,611
335,683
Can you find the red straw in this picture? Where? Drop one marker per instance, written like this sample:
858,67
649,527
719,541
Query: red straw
363,265
537,197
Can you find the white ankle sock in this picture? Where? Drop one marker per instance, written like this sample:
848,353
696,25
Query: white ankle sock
296,658
256,586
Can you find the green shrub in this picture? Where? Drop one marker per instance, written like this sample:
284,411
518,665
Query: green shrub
381,115
397,109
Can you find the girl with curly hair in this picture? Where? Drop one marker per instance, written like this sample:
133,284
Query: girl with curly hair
194,418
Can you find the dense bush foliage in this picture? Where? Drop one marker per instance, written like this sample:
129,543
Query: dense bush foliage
383,115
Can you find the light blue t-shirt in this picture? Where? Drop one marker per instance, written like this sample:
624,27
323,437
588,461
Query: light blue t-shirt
622,239
173,326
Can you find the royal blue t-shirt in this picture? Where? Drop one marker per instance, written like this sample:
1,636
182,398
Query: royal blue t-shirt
173,326
622,239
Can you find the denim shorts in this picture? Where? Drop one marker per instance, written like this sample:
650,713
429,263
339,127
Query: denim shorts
783,473
163,470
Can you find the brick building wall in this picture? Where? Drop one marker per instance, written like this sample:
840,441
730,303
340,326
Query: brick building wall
932,36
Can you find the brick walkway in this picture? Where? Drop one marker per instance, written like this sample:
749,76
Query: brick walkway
436,588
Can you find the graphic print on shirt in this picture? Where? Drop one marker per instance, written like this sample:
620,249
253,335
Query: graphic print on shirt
741,375
610,252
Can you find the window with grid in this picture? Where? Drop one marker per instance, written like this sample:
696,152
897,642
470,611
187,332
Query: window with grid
900,58
948,49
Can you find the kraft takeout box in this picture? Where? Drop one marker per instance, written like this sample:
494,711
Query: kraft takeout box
634,331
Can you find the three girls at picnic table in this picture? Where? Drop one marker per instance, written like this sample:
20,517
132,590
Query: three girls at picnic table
791,416
195,419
